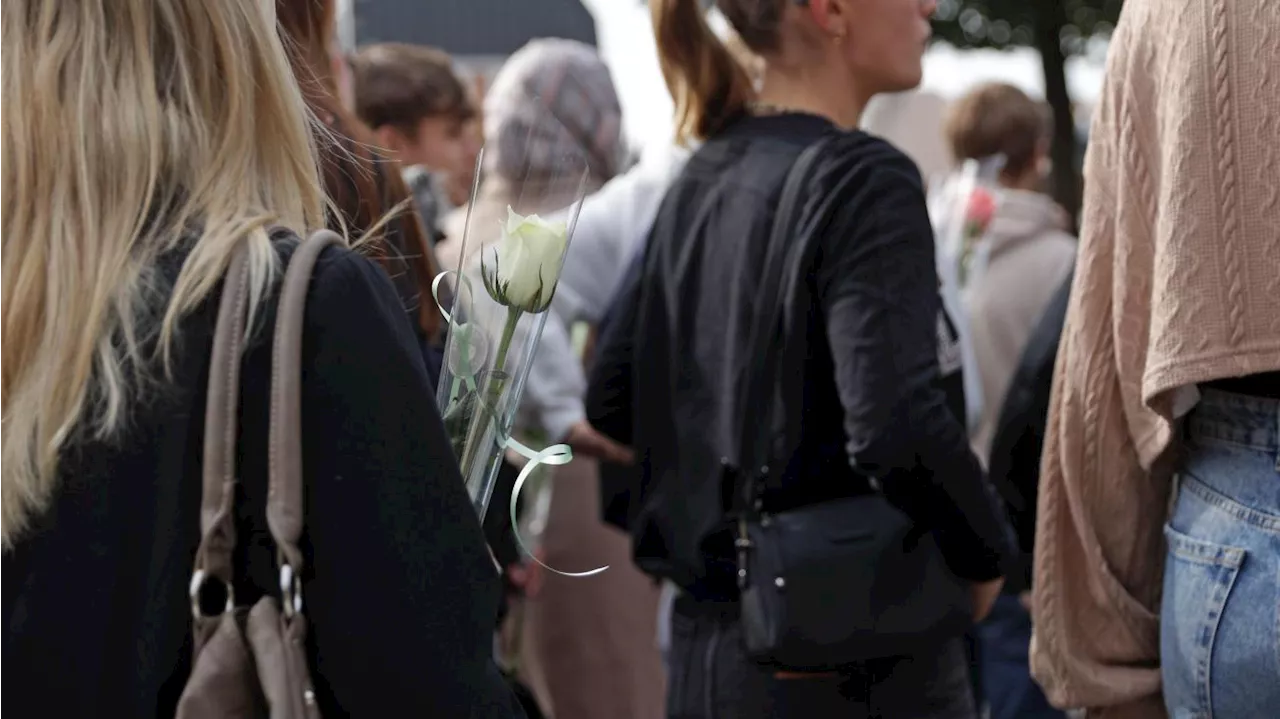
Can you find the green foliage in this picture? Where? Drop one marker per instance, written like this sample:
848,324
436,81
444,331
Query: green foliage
1010,23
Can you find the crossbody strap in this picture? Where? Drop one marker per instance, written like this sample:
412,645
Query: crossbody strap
757,405
758,402
758,398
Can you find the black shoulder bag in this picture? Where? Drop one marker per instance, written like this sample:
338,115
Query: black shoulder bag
838,582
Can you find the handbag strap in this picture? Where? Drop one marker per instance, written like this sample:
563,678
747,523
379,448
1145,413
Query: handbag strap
284,467
284,495
757,404
217,497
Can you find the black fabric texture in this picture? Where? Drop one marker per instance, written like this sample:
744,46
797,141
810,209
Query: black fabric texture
868,383
400,593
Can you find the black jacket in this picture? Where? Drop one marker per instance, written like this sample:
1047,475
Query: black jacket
1019,436
866,382
400,592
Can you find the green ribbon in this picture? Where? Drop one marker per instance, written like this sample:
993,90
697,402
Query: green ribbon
553,456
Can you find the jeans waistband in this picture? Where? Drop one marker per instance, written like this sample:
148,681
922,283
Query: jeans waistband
1236,419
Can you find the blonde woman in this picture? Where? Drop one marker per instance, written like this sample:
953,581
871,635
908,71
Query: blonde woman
144,141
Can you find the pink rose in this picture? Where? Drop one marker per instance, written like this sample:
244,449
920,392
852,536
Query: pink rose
982,205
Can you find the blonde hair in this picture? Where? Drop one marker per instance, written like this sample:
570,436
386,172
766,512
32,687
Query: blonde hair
130,127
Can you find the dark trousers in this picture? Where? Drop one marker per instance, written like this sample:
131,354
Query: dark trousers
1003,640
710,677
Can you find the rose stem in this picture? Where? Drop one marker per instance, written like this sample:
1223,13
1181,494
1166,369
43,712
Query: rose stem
496,380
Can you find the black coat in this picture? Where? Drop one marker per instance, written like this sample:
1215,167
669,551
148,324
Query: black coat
400,592
866,373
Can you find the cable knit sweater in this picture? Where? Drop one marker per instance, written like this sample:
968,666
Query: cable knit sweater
1178,283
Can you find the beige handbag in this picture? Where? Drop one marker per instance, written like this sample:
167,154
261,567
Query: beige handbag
251,662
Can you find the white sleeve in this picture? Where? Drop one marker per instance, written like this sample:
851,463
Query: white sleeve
611,225
556,384
592,263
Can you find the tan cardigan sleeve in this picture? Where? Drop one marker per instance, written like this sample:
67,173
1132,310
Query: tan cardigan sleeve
1099,548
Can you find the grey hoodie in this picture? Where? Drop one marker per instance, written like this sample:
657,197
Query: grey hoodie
1023,258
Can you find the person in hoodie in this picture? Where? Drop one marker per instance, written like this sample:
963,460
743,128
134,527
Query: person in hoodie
1021,260
1026,251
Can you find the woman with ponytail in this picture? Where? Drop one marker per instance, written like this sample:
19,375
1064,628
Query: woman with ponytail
869,381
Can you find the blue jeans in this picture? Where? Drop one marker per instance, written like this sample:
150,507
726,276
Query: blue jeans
1004,638
1220,618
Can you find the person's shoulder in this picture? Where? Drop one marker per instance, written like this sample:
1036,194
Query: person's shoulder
340,266
847,155
859,175
337,262
346,290
1061,243
1054,241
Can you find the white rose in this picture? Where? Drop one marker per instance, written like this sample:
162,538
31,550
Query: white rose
522,268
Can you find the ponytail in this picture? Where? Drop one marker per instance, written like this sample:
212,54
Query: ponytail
708,85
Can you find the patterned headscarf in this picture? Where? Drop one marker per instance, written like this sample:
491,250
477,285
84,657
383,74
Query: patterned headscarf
550,98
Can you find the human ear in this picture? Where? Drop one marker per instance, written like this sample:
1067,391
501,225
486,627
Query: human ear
831,16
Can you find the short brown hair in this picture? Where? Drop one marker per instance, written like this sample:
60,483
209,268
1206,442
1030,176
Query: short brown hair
997,118
398,84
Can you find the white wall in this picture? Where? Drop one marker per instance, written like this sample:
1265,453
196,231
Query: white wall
950,72
913,122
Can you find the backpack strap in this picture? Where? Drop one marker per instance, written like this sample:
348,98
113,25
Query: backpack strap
284,498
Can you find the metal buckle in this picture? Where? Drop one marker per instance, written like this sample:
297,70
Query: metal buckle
290,591
198,579
744,545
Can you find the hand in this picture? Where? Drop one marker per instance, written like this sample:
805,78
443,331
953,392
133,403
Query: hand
527,576
983,595
588,441
589,347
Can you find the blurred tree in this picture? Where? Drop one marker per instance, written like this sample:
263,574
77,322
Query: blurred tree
1058,29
